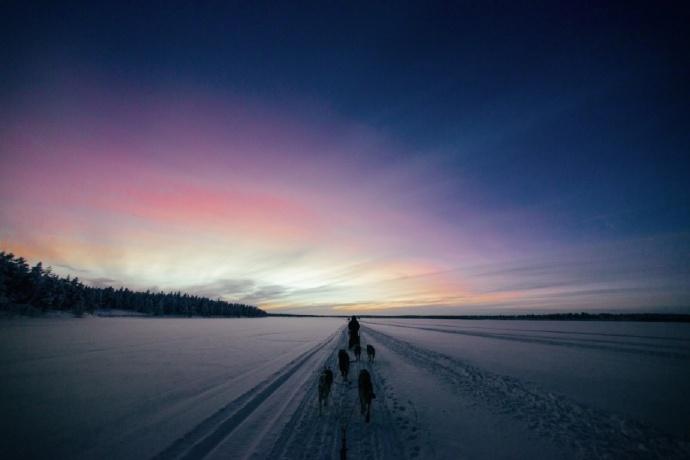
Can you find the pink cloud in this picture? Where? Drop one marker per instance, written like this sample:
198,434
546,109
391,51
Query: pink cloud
111,182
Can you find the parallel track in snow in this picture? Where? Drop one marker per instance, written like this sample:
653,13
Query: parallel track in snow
309,435
203,438
284,407
587,432
666,350
306,435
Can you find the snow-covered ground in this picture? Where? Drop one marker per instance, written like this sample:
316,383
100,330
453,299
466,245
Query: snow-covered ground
246,388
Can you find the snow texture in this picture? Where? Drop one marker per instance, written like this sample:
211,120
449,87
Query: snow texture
247,388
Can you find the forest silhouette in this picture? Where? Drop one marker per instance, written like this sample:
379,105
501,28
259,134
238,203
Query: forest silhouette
33,290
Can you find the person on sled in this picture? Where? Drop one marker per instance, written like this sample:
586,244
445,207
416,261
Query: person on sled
353,327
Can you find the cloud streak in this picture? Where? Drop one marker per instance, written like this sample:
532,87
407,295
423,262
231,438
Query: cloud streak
226,198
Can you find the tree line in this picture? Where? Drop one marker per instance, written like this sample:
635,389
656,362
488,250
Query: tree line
31,290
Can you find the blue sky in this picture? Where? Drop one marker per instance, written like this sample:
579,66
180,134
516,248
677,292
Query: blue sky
471,144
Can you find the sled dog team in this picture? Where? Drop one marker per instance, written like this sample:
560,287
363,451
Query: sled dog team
366,388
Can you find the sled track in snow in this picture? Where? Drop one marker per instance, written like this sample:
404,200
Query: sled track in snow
676,351
587,432
208,434
309,435
303,437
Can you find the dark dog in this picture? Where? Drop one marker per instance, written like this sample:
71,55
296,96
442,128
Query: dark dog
343,363
325,382
371,352
366,393
358,352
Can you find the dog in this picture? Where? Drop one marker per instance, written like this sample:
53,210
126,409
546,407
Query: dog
325,382
344,363
358,352
371,352
366,394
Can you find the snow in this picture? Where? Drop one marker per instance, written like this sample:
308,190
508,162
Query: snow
246,388
567,389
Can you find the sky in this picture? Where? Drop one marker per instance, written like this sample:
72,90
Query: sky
354,157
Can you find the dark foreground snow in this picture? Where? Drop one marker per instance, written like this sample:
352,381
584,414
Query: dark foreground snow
246,388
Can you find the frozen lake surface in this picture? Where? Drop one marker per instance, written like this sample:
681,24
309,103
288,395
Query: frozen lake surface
246,388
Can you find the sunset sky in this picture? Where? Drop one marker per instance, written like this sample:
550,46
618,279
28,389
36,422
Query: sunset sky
340,158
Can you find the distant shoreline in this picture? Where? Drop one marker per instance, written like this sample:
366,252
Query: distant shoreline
639,317
636,317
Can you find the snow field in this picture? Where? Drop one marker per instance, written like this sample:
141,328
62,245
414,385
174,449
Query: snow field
247,388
